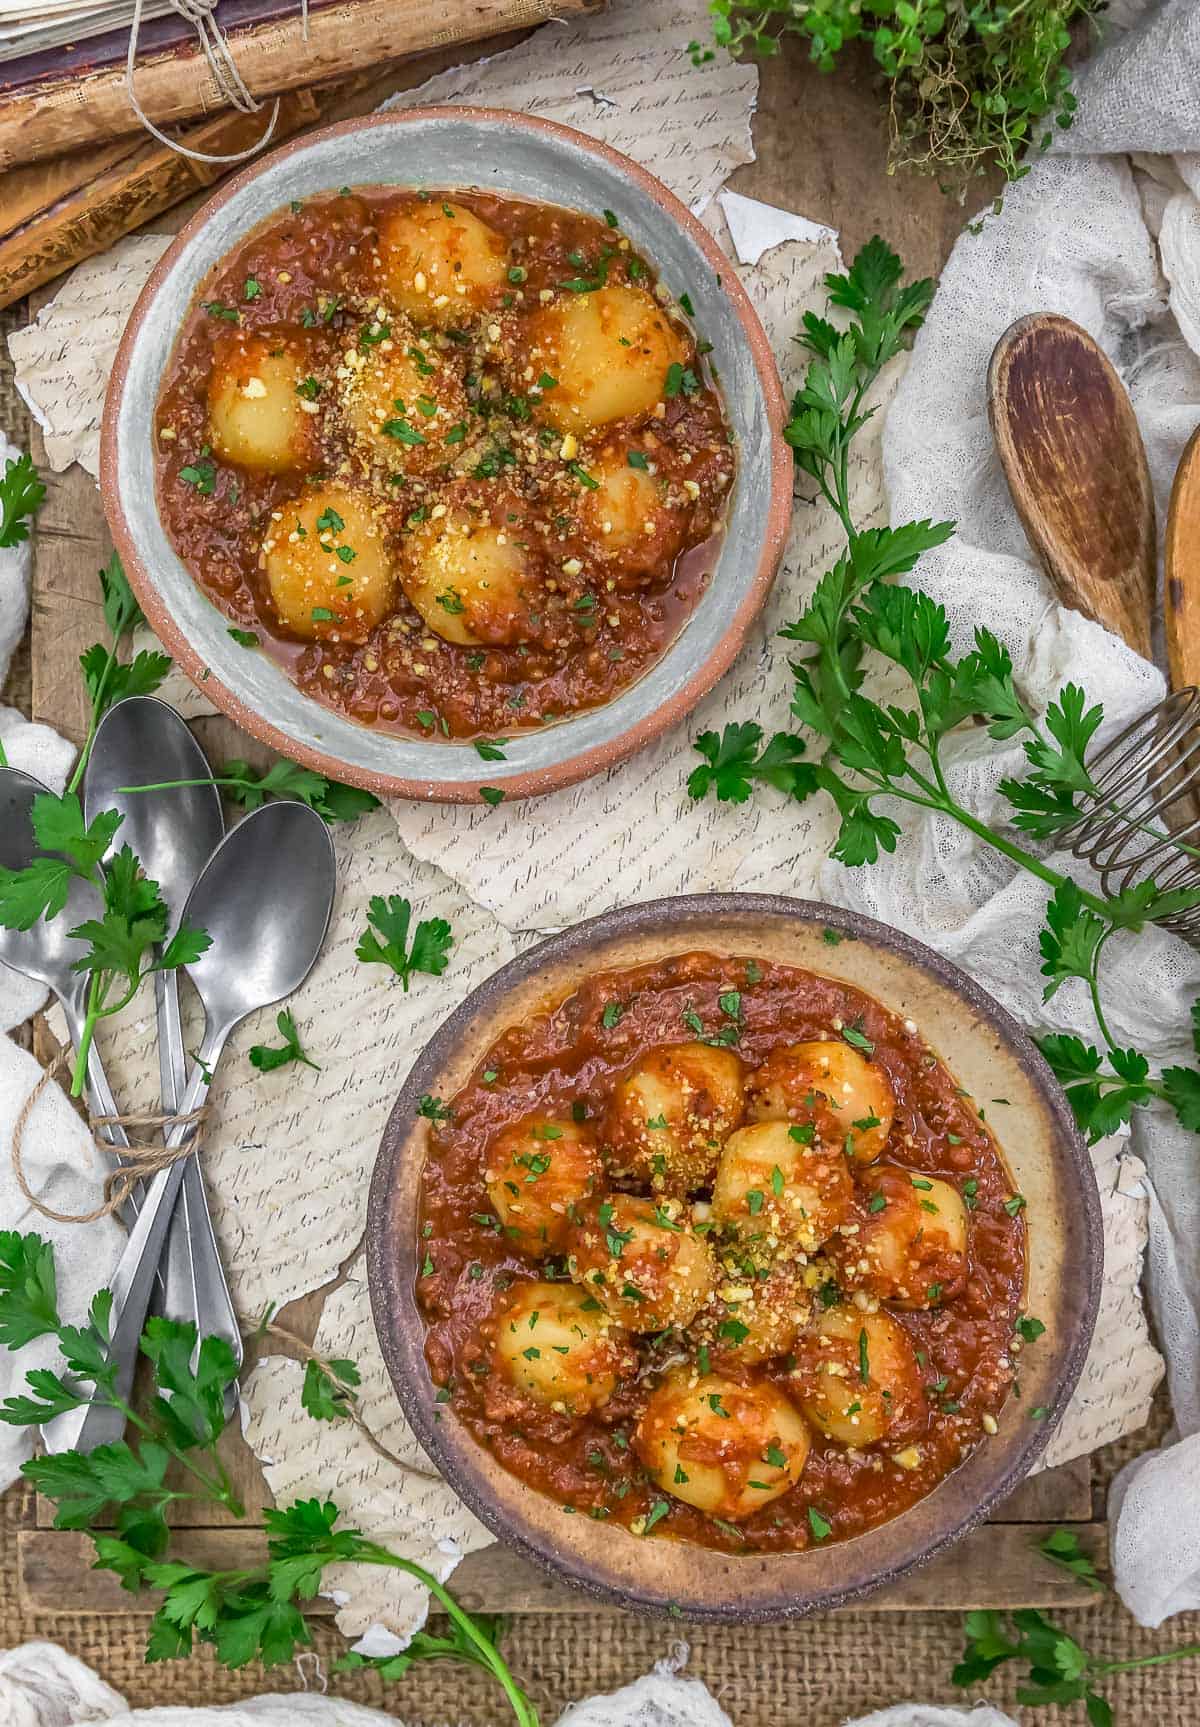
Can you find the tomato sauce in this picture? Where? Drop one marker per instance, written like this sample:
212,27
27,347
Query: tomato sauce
311,282
568,1061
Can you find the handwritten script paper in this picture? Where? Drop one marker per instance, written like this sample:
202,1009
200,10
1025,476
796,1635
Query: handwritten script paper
291,1154
64,357
404,1503
1123,1367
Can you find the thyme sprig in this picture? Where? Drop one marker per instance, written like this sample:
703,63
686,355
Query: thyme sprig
970,83
875,752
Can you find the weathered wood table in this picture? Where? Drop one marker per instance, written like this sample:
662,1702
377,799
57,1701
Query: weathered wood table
822,152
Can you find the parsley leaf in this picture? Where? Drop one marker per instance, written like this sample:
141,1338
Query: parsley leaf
21,496
328,1389
266,1058
734,761
387,943
333,801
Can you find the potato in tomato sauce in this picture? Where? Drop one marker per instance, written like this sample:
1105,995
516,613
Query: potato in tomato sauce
755,1338
529,449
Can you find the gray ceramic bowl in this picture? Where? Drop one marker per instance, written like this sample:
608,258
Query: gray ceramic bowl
989,1055
448,147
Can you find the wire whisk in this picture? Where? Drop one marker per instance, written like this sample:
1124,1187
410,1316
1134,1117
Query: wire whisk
1143,819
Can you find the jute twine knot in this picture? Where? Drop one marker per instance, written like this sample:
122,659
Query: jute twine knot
232,90
142,1161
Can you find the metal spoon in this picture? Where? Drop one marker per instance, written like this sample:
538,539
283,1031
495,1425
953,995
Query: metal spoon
174,833
264,897
46,952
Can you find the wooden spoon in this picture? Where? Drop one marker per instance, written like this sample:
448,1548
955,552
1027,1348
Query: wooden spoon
1181,590
1076,467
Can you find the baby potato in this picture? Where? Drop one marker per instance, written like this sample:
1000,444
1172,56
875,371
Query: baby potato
772,1184
831,1085
609,352
642,1260
668,1119
328,566
754,1319
536,1172
555,1344
910,1246
256,416
470,580
627,516
400,408
859,1377
441,264
726,1448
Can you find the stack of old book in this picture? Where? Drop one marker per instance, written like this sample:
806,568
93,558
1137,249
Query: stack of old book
78,168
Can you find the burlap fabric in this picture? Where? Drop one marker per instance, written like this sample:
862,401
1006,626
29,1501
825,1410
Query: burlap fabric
811,1674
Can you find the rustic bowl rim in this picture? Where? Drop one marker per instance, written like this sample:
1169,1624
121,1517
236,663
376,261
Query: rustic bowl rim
393,1306
589,761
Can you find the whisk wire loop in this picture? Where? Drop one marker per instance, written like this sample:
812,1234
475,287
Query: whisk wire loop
1142,819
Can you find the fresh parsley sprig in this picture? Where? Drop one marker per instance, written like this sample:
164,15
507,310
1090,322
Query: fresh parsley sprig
245,786
120,943
386,941
119,1494
21,495
106,677
1059,1670
873,752
267,1057
1062,1548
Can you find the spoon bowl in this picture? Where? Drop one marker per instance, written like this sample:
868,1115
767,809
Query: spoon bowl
174,833
265,898
45,951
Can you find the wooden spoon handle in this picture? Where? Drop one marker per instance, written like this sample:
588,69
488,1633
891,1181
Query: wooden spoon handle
1181,592
1073,456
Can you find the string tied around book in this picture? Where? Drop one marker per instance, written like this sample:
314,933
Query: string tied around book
137,1165
231,86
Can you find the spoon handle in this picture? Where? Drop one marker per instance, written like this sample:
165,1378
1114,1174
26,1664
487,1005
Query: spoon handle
132,1281
196,1288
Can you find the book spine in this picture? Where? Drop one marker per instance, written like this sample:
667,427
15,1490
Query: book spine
90,209
51,118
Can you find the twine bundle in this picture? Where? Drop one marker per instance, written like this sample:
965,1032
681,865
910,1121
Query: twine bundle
230,84
143,1162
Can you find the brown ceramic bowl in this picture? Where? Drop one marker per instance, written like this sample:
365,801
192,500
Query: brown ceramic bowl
529,158
989,1055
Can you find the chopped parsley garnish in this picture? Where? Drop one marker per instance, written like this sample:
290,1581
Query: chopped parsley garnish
402,432
680,380
433,1109
819,1525
858,1039
656,1513
202,476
